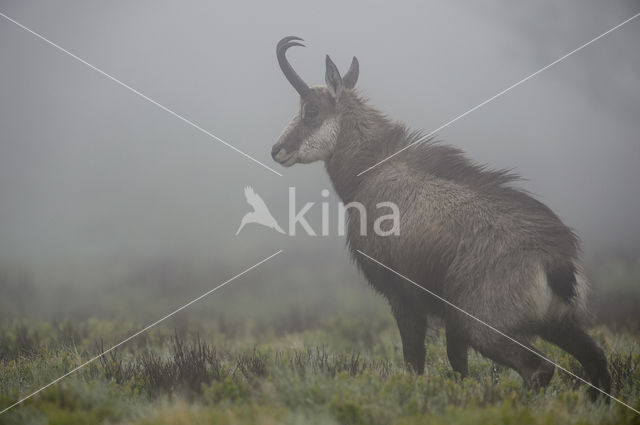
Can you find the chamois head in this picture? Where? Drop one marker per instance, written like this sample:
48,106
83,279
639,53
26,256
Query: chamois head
312,133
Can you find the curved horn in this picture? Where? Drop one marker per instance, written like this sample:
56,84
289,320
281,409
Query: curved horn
301,87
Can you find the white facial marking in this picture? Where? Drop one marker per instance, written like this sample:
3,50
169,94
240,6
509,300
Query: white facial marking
320,143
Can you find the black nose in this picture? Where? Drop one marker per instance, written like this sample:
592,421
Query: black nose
274,151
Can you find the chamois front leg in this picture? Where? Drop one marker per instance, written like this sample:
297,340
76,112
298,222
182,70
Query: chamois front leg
457,349
413,328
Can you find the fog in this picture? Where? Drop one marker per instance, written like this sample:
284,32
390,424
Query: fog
91,173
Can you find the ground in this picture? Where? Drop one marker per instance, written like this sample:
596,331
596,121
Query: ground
337,371
295,353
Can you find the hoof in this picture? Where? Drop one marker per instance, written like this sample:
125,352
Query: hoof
542,376
604,383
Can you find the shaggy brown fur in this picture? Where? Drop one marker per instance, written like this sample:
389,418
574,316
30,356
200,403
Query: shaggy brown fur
467,234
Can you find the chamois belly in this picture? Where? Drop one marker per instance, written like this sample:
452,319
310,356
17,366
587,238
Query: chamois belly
412,261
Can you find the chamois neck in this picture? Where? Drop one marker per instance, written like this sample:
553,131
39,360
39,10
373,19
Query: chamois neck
363,131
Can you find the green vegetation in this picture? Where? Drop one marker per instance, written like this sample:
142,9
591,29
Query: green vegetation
339,371
326,361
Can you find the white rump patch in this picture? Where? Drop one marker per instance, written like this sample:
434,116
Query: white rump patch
541,294
548,304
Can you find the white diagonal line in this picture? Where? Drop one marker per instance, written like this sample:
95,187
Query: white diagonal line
480,105
142,330
147,98
449,303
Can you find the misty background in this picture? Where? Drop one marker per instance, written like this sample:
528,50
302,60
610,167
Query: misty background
103,193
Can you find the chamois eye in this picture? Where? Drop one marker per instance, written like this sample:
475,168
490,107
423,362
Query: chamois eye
310,112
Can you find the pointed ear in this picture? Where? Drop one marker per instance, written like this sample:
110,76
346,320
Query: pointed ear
333,78
351,77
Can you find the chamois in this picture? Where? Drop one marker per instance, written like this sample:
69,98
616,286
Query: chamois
467,234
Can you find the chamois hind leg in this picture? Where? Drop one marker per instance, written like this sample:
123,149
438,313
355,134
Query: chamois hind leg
534,370
412,325
570,336
457,349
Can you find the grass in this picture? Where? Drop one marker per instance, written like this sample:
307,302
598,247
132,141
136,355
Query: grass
338,370
303,348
